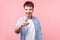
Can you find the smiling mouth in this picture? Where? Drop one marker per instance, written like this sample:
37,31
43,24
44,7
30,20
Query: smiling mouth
28,12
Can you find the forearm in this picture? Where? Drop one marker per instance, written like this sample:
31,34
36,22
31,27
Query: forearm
18,28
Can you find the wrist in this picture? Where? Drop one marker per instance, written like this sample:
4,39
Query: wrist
22,25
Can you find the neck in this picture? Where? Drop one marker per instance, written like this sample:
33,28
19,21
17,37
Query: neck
30,17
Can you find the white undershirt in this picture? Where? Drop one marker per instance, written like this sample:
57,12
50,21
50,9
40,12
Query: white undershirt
31,30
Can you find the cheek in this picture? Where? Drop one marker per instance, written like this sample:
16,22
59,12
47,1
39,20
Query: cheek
31,11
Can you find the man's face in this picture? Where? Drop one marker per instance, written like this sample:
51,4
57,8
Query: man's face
28,11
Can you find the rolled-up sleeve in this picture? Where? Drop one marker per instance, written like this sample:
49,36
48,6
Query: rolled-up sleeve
18,23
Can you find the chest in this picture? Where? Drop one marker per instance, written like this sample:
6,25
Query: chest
32,25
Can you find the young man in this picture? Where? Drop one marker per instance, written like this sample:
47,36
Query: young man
28,26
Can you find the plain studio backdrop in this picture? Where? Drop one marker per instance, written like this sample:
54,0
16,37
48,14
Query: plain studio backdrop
47,11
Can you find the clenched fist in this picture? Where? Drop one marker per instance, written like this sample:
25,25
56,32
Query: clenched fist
25,23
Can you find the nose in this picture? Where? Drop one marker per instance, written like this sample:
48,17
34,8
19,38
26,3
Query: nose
28,10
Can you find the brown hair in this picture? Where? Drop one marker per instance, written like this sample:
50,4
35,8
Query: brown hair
29,3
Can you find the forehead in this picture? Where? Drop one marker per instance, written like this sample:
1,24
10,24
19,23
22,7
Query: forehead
27,7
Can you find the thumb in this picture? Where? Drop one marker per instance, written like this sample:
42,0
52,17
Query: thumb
26,20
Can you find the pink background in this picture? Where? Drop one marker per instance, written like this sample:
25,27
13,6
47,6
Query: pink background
48,12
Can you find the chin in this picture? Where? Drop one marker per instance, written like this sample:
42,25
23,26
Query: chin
28,15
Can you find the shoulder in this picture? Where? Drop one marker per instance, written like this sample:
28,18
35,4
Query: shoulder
35,18
21,19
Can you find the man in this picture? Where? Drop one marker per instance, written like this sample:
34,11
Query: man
29,26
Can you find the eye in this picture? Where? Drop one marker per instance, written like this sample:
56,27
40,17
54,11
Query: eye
30,9
26,9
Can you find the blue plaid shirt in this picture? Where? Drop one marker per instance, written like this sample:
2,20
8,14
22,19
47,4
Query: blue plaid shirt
23,31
